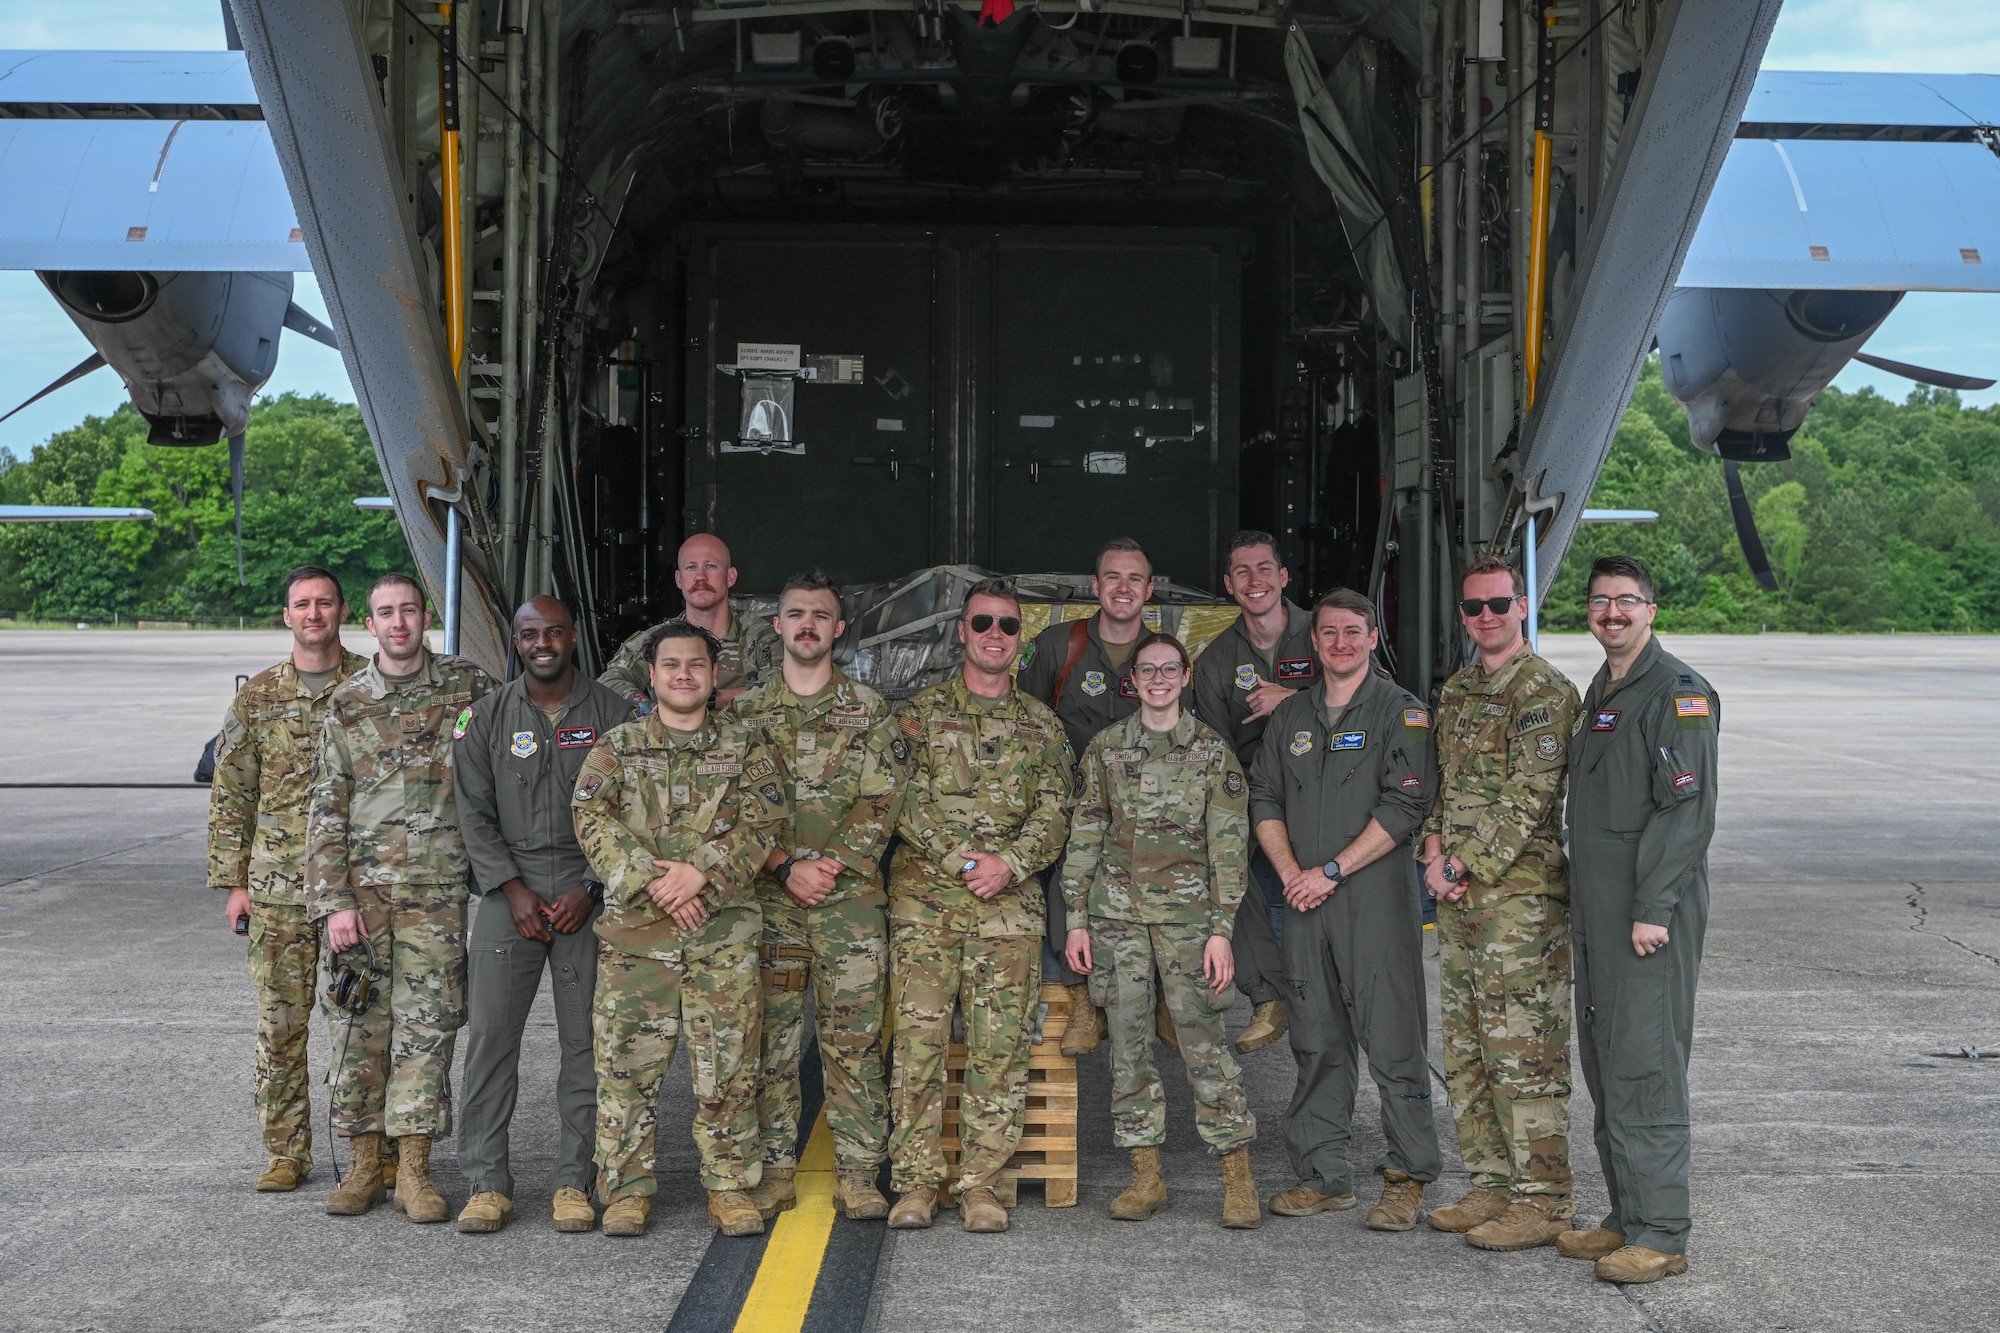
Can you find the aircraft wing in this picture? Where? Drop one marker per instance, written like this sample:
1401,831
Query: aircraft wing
162,85
1805,104
67,514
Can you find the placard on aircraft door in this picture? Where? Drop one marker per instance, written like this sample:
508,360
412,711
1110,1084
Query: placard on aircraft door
1114,391
818,441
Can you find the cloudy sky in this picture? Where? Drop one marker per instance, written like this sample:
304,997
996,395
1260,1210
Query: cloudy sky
37,343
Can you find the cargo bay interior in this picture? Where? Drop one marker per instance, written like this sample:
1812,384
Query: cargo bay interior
884,284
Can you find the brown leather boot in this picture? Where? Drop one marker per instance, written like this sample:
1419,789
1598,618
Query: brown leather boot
1530,1221
570,1210
1163,1024
1268,1022
487,1210
1593,1244
355,1194
1481,1205
855,1195
1632,1264
1240,1208
415,1195
775,1193
1402,1201
1304,1201
1086,1026
1147,1194
979,1209
915,1209
627,1216
283,1175
733,1214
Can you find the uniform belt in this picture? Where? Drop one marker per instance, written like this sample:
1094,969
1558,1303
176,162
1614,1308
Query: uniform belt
784,967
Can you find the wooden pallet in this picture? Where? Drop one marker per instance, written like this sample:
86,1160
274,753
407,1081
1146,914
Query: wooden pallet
1047,1150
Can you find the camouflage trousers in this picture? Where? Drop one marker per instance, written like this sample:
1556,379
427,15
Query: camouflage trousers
707,987
284,962
393,1063
840,950
996,983
1504,972
1124,957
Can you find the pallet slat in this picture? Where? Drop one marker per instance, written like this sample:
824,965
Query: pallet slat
1047,1150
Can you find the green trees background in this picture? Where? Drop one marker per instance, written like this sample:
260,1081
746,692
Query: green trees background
305,461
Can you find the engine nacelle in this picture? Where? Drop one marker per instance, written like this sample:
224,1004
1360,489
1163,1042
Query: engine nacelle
1747,363
192,348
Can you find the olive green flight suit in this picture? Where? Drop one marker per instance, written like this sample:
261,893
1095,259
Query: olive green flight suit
1354,964
1642,793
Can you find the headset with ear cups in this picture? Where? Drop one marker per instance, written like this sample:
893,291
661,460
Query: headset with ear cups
352,987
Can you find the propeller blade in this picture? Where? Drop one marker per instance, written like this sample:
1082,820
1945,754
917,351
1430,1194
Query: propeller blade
95,361
298,321
236,494
1939,379
1746,527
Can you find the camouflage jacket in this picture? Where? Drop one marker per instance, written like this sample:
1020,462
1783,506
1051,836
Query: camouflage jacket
750,654
985,780
1503,750
1161,829
840,771
713,798
383,811
263,778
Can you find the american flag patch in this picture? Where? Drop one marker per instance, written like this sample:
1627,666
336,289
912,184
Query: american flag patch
1691,705
1416,717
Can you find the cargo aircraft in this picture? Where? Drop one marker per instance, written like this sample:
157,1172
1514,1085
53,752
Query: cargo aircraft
880,285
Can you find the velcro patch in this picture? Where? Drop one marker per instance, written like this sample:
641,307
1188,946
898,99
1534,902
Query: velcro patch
575,738
1416,717
1533,720
1683,780
1605,720
587,789
1031,729
854,721
771,794
763,720
1548,745
464,721
910,726
1246,676
756,771
724,768
1691,705
1232,783
1347,740
1412,783
1301,742
1294,668
1126,689
900,748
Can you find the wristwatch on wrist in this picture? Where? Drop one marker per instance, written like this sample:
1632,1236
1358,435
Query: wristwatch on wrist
1332,871
782,872
595,888
1448,873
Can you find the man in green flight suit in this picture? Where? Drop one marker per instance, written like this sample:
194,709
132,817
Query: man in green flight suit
1641,812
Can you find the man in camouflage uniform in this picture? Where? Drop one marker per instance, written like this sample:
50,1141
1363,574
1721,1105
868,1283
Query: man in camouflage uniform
1492,854
1155,865
385,864
256,849
989,787
677,812
748,650
824,908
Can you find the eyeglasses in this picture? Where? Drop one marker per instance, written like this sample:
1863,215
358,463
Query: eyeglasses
1157,671
1627,601
1499,606
1008,624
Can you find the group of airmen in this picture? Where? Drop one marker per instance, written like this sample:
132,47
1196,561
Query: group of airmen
725,834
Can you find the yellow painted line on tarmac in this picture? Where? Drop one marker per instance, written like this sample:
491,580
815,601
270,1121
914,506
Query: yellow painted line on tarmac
783,1290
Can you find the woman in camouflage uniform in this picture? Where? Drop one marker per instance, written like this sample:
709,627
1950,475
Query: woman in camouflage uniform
1156,862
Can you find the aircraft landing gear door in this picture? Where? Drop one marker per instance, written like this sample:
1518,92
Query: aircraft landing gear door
814,431
1115,391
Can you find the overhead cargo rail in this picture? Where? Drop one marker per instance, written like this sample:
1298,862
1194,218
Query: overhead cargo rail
155,85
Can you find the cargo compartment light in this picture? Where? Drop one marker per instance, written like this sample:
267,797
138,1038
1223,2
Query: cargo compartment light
776,50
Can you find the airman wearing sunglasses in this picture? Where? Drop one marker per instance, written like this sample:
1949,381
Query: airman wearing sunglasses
1493,858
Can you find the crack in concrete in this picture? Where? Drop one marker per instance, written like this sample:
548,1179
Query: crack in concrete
1916,901
57,870
1846,972
1639,1307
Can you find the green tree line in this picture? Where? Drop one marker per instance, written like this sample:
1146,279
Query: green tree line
1886,517
305,461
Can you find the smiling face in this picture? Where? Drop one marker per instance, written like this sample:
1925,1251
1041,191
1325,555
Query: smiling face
703,573
1256,579
1496,633
1617,627
683,675
545,639
397,618
313,612
1123,582
990,651
1343,641
1159,674
808,621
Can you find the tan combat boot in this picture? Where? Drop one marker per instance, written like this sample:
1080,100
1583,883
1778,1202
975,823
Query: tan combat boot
1592,1245
570,1210
1163,1024
733,1214
1240,1208
355,1194
389,1165
1635,1263
415,1195
855,1195
1268,1022
283,1175
1086,1026
1531,1221
1402,1201
1147,1194
775,1193
627,1216
488,1210
979,1209
1304,1201
1481,1205
915,1209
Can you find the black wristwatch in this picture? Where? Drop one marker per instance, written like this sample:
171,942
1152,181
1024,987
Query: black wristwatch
1332,871
595,888
782,872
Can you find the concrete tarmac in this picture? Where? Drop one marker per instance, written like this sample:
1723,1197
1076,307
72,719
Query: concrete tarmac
1843,1170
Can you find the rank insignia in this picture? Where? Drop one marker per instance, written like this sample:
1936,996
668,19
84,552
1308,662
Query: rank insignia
1302,742
464,721
1232,783
1691,705
1348,740
1548,746
1246,677
1416,717
1605,720
524,744
1093,683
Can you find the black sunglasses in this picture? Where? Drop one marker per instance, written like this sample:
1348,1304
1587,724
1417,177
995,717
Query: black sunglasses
1008,624
1499,606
